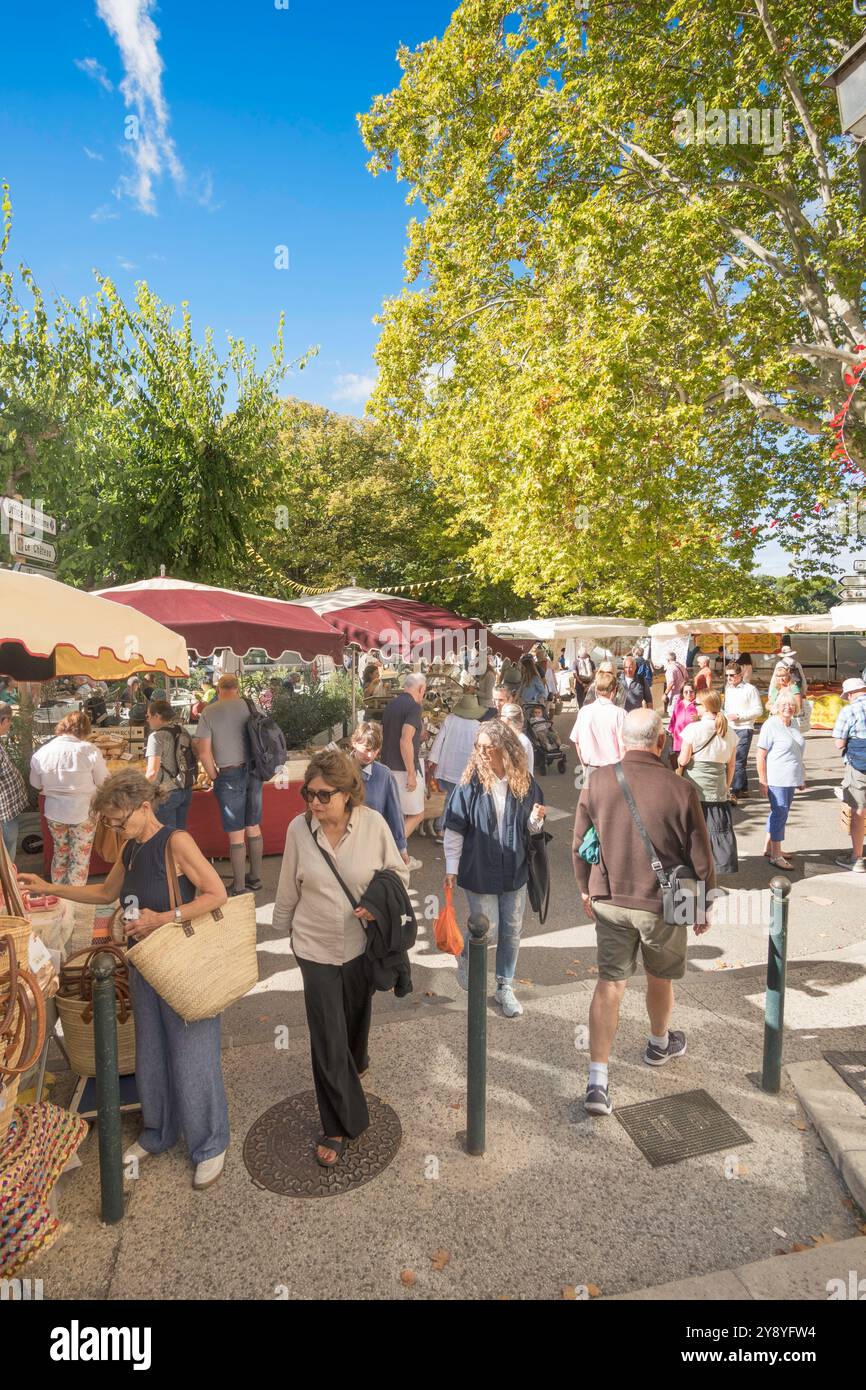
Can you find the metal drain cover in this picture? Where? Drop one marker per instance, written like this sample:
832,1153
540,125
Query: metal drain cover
681,1126
280,1149
851,1066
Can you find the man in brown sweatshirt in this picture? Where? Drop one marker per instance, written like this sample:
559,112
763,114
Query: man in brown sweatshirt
622,892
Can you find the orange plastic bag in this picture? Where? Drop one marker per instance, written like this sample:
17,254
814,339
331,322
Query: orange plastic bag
445,929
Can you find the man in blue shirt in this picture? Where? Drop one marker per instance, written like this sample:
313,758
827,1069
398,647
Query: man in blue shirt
849,733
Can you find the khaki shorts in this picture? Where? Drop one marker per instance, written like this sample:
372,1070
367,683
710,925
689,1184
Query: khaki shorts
854,788
621,930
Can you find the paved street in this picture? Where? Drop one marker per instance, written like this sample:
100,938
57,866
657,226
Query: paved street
559,1200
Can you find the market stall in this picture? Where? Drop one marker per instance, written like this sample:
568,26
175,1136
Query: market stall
759,634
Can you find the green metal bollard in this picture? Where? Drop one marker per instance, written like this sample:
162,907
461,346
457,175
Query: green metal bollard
774,1000
476,1052
107,1087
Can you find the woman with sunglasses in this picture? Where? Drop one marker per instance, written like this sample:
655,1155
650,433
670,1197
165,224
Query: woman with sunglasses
178,1068
489,814
337,836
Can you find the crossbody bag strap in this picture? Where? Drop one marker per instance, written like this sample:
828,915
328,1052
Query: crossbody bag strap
658,867
329,861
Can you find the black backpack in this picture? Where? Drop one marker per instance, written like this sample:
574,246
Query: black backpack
267,742
185,759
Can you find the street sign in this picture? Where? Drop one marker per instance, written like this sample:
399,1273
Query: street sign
28,516
860,566
31,569
854,581
33,549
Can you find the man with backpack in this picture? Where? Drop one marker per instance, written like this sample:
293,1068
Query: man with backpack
223,745
171,764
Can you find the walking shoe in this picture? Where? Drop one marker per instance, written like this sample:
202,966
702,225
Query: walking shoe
463,972
508,1001
254,884
414,864
136,1154
206,1173
597,1100
847,861
657,1056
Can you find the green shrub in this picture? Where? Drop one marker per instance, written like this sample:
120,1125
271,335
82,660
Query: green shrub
302,717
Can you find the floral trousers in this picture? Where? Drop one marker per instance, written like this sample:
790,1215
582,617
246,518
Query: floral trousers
70,862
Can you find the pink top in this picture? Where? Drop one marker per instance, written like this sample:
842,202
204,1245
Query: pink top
597,733
683,713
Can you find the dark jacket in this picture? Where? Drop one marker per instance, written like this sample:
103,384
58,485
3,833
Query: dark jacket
391,934
671,812
634,693
488,864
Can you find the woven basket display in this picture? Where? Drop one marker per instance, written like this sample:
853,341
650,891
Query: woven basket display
74,1005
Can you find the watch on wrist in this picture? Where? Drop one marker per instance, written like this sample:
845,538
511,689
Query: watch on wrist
177,916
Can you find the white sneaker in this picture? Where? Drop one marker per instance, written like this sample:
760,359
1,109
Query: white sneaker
414,864
136,1154
508,1001
207,1172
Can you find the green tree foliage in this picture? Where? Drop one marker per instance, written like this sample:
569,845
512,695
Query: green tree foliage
633,315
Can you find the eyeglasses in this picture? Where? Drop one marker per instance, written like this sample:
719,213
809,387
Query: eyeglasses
308,795
118,825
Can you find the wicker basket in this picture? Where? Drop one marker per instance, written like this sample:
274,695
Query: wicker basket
76,1016
8,1099
20,929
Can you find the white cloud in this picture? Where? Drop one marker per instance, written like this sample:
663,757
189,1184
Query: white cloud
204,193
96,71
92,154
126,265
103,214
137,37
353,387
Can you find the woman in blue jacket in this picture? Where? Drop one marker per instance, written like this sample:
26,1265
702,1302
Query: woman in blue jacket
487,820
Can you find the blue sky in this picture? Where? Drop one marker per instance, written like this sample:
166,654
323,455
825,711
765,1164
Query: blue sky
254,131
250,109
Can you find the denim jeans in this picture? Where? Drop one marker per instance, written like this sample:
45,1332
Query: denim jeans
10,835
447,787
504,912
239,797
178,1073
175,809
780,805
744,743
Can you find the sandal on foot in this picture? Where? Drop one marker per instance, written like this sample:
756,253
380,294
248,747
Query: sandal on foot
781,863
338,1147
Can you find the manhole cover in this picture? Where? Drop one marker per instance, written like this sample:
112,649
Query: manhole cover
851,1066
679,1127
280,1149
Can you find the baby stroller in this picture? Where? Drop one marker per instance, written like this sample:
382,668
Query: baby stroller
542,736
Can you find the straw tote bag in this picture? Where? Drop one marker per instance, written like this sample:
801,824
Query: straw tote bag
202,966
74,1004
13,919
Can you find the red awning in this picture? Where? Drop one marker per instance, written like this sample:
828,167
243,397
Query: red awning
209,619
414,626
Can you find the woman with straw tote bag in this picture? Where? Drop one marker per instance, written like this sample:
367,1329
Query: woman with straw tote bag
172,890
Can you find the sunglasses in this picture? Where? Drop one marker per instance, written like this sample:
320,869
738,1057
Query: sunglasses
308,795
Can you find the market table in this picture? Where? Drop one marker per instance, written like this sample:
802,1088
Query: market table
280,804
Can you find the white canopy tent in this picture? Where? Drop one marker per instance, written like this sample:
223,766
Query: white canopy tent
605,632
849,617
778,622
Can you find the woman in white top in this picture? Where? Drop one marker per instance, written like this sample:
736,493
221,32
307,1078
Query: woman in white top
513,715
328,938
780,771
68,770
707,758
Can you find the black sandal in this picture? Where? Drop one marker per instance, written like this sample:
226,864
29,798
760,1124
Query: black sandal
337,1145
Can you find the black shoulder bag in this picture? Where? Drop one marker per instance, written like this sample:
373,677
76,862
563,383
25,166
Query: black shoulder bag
679,887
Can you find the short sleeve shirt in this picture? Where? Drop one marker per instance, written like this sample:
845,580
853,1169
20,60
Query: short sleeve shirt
225,723
403,709
160,745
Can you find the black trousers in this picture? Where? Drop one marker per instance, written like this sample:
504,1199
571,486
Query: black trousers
339,1002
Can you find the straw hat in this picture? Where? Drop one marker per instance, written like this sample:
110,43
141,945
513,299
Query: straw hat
468,707
853,685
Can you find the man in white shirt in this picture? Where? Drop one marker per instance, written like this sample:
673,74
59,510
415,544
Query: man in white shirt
742,707
597,732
